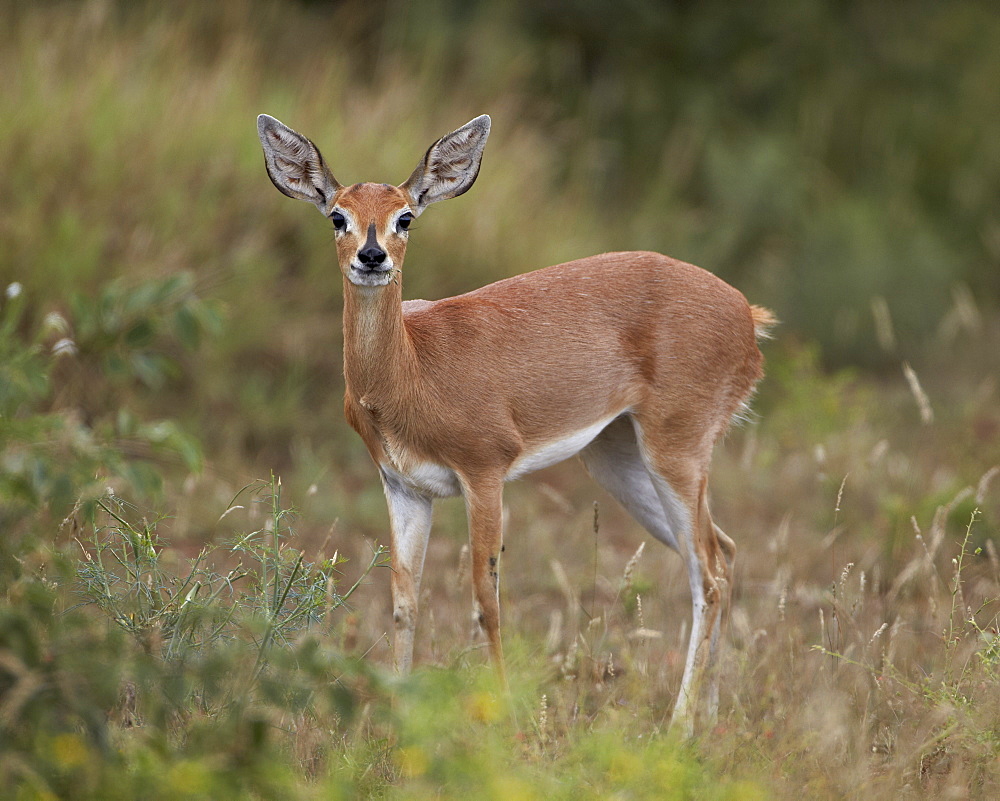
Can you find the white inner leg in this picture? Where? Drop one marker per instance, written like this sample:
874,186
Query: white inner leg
713,675
614,461
699,608
410,518
681,525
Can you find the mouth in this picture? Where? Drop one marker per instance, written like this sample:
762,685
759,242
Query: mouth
379,275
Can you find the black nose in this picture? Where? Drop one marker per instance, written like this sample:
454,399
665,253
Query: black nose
371,257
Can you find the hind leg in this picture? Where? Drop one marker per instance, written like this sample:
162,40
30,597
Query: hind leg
708,577
669,498
677,462
617,463
724,575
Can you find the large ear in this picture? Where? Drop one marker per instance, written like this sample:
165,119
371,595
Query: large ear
450,166
295,164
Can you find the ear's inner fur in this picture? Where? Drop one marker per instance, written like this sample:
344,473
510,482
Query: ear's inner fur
450,166
294,164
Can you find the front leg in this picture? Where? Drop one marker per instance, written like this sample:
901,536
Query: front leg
484,504
410,519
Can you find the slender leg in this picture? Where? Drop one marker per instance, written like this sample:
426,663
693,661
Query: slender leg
709,578
410,519
724,576
704,606
683,522
484,503
674,457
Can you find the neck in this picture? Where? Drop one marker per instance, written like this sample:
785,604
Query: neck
377,351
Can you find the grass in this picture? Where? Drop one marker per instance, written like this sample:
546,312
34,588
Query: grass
860,658
169,330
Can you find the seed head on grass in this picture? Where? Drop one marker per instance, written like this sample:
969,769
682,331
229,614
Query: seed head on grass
626,586
878,633
543,720
843,577
568,667
923,402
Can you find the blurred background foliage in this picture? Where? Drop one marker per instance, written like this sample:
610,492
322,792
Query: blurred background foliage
170,325
835,161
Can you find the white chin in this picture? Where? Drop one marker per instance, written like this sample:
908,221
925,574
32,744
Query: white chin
370,277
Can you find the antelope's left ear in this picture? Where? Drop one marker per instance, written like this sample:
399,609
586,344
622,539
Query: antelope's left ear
449,167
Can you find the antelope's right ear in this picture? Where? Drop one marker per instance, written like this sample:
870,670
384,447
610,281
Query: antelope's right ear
295,164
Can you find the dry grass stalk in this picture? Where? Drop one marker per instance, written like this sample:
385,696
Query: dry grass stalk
885,333
840,497
645,634
991,553
626,588
572,601
843,578
553,639
923,402
878,633
464,562
984,482
930,550
568,667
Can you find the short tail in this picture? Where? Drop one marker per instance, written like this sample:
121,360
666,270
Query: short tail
763,321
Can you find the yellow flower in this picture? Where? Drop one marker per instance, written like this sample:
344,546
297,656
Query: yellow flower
69,750
624,767
509,788
188,777
746,791
412,761
484,707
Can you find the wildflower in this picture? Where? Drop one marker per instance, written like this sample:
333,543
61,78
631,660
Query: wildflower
413,761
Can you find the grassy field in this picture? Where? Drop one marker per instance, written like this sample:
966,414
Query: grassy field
170,346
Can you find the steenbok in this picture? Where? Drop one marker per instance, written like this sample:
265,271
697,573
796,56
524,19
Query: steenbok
635,361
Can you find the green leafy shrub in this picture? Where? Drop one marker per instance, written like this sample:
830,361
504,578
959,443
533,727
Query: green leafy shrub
270,596
62,438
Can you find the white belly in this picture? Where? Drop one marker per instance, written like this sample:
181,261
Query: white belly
439,481
557,450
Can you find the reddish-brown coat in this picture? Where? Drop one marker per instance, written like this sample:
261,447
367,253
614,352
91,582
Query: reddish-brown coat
472,382
634,360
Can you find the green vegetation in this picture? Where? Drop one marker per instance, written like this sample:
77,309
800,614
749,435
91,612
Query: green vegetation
170,333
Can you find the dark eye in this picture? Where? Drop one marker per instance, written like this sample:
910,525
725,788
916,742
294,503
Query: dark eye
339,221
404,221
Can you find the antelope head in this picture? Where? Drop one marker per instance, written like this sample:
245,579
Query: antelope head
371,220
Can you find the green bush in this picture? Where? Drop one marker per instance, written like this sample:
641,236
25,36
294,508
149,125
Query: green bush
66,426
272,595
